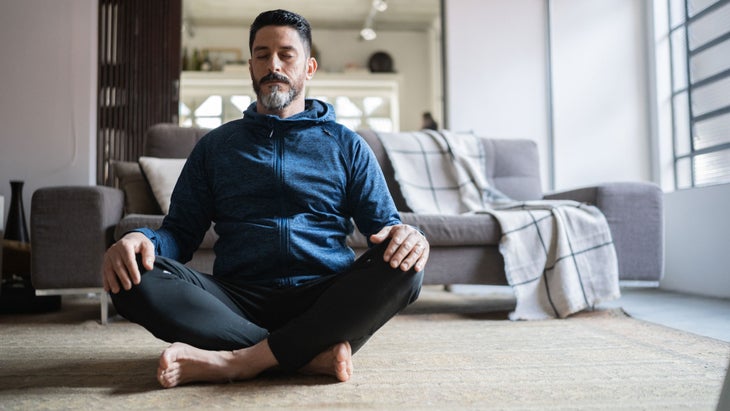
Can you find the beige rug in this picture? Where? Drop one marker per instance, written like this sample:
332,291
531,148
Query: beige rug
448,352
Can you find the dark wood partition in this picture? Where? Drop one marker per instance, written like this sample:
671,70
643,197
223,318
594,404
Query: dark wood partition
139,76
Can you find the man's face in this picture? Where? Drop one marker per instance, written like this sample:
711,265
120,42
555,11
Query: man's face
279,66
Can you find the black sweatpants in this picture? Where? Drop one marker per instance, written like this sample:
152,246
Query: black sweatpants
178,304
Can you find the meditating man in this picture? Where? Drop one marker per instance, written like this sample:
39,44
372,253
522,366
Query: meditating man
283,186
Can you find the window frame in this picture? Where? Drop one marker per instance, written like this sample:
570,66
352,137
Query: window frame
689,158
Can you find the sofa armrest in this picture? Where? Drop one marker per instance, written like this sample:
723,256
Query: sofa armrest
635,214
71,228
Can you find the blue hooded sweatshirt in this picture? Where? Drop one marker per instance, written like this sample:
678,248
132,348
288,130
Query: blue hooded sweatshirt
281,192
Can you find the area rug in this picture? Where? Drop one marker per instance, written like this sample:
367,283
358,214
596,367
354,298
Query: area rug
447,351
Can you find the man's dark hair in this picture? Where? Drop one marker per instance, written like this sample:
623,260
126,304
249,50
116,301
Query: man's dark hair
282,18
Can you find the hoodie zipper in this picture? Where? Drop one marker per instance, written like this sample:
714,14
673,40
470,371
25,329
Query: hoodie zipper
282,220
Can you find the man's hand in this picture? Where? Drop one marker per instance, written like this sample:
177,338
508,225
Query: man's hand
120,264
408,248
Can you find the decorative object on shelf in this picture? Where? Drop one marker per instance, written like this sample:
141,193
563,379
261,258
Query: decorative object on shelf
17,294
381,62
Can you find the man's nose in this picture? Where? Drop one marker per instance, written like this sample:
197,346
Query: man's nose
274,64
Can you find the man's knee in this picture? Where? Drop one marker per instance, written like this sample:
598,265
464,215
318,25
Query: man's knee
133,304
415,286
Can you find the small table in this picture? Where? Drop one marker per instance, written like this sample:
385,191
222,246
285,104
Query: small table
17,294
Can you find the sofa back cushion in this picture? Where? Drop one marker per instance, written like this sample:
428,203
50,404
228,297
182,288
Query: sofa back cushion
167,140
513,167
162,141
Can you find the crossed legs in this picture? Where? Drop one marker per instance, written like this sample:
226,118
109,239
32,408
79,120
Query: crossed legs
223,333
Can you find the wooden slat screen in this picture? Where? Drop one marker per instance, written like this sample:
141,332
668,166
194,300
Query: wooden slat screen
139,76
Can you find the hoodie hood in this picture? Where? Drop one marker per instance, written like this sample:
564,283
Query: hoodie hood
315,112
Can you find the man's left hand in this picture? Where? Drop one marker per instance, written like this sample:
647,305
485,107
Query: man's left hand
408,248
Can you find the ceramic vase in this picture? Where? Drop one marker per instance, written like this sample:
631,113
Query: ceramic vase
16,228
16,243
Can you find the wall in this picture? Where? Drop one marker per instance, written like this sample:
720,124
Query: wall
411,52
600,92
698,241
496,70
498,83
48,103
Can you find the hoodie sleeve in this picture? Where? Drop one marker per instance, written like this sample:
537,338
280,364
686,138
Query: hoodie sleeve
191,211
370,201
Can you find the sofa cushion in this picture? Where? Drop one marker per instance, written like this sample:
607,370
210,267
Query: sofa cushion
512,167
162,175
138,197
167,140
448,230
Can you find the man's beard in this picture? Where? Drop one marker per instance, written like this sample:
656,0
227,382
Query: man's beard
272,98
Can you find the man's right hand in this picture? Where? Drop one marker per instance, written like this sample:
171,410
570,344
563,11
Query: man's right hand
120,264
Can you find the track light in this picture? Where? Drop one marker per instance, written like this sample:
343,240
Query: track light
368,34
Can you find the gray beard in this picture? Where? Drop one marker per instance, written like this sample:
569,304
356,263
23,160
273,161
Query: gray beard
276,100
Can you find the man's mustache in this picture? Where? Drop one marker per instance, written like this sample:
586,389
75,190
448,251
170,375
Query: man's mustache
274,77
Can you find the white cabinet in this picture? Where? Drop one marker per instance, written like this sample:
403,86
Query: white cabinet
361,100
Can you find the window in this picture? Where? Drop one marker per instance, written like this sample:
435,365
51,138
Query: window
700,63
209,99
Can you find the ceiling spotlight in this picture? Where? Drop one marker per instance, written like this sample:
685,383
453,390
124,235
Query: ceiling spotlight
368,34
380,5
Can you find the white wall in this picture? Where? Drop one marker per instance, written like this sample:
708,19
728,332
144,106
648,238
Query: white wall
698,241
497,82
338,49
496,78
47,103
600,92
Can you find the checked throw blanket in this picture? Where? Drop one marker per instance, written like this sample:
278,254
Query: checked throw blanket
559,254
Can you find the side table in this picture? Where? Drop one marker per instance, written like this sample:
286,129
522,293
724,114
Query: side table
17,294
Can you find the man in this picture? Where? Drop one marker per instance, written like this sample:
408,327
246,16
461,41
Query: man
282,185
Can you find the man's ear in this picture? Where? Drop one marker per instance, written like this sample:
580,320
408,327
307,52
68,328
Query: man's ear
311,67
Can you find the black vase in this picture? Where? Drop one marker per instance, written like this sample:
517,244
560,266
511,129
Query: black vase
16,228
16,244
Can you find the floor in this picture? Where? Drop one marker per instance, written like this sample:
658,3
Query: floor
696,314
705,316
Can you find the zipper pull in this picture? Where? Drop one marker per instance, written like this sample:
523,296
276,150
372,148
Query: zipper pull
271,134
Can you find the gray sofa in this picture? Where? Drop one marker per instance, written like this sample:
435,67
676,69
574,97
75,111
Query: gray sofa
72,226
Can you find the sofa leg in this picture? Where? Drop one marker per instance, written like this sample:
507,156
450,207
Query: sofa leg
104,302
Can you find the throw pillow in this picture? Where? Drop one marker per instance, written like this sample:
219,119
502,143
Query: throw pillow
162,174
138,197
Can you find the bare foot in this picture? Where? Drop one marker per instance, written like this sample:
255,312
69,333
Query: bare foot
182,363
336,361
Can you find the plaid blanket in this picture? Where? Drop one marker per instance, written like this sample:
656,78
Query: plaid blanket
559,255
